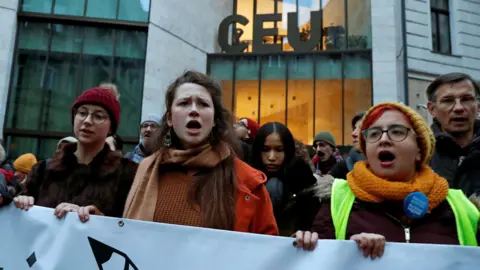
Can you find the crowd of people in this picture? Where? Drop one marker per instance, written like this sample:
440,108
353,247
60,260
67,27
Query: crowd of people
402,181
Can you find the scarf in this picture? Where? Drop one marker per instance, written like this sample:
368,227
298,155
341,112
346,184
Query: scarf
142,199
370,188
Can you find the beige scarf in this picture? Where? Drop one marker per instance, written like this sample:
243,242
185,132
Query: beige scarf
142,199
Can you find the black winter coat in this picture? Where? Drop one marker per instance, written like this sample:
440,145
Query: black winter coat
460,166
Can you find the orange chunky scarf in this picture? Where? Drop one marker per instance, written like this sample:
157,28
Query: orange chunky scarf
370,188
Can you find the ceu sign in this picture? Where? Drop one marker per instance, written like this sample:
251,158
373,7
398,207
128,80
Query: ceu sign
259,32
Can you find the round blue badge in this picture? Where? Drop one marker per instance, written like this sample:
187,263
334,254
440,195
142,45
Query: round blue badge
415,205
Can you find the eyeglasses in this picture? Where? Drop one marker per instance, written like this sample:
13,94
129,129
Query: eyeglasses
396,133
449,102
97,117
149,125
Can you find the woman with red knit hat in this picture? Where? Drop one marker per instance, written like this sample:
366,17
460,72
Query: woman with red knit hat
246,129
84,177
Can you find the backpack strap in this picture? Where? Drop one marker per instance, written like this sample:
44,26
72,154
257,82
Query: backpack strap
466,217
340,206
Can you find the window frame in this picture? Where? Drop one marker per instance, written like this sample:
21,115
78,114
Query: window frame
50,18
435,11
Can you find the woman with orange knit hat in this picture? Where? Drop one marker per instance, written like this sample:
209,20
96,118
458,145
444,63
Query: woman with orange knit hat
84,177
393,196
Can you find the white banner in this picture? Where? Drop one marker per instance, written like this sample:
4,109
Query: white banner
38,240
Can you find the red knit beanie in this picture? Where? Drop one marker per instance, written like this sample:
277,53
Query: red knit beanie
253,127
102,97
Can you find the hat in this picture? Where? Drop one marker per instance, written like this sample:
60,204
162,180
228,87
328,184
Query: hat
326,137
151,117
103,97
252,127
426,139
68,139
24,163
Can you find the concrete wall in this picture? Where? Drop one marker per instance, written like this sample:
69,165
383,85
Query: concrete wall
180,36
8,21
387,51
465,33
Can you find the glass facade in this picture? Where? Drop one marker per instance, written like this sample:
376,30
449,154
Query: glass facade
309,93
312,91
55,62
127,10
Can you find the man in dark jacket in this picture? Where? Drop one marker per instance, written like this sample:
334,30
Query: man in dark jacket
147,131
453,104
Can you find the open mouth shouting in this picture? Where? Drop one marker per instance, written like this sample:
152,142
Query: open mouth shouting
193,127
386,158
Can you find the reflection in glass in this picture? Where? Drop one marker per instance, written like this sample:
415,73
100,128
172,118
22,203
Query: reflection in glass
333,24
222,71
328,96
300,98
245,8
444,27
273,91
246,87
98,41
357,89
128,75
105,9
69,7
134,10
131,44
18,146
25,100
359,24
60,90
33,36
44,6
67,38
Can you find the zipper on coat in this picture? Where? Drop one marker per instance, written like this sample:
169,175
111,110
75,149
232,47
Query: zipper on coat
407,234
406,229
460,160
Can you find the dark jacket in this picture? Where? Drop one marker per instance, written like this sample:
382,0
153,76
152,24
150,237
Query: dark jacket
138,154
343,167
387,219
460,166
105,182
293,197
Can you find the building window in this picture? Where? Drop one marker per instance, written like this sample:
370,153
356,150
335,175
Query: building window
126,10
54,63
309,93
440,12
343,24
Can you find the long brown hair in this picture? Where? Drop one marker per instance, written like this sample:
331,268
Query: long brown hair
215,191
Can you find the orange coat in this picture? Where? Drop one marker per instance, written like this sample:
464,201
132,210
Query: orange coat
254,212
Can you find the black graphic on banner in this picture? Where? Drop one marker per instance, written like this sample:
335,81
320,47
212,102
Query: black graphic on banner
103,253
31,260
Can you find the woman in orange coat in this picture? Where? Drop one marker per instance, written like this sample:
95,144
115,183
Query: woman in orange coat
194,178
